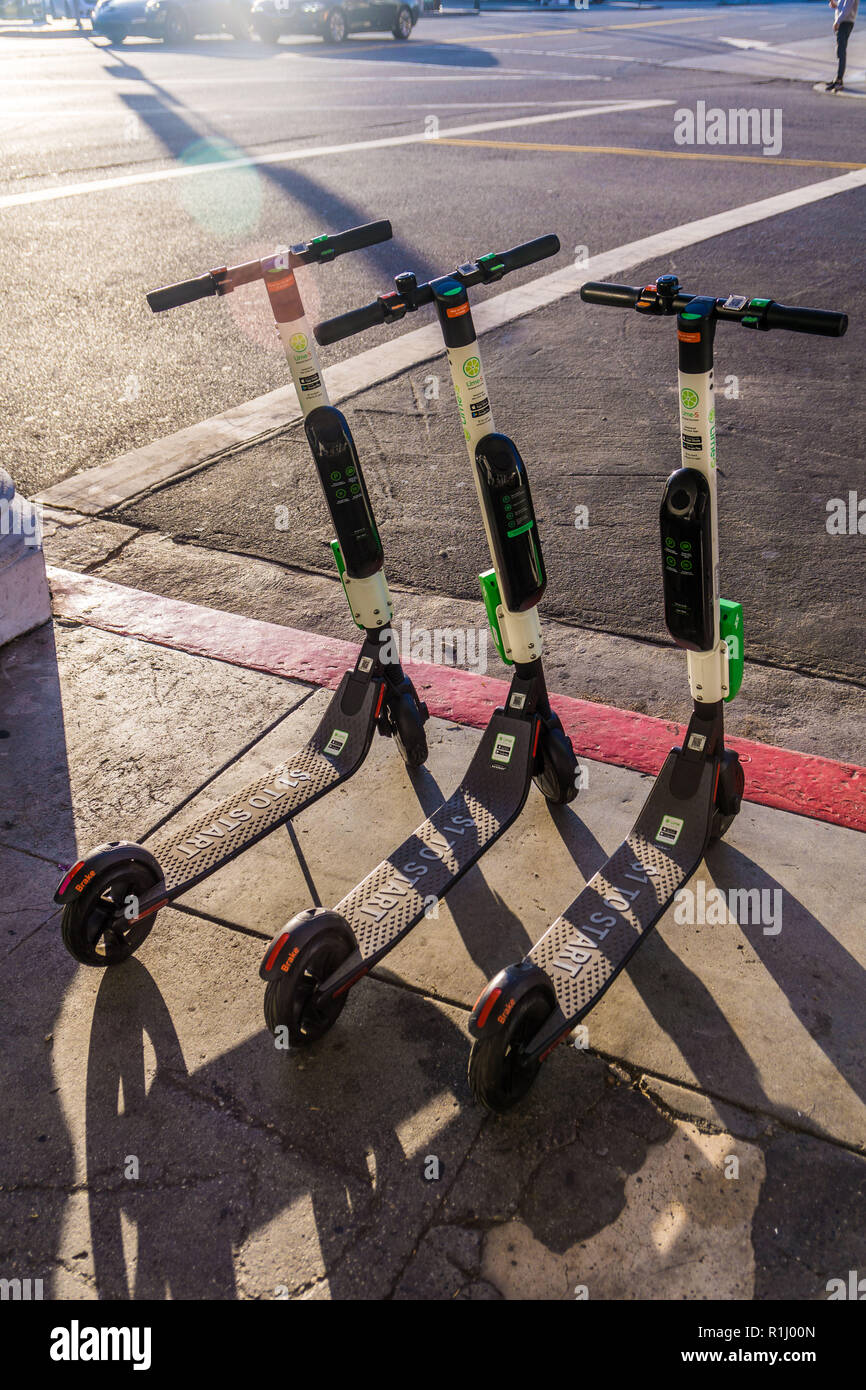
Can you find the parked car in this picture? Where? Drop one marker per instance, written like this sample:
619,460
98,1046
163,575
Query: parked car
177,21
333,19
115,20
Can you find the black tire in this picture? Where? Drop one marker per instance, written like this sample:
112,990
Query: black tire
177,28
289,1000
266,30
101,902
498,1077
406,723
115,38
729,796
238,24
336,28
556,774
721,824
403,23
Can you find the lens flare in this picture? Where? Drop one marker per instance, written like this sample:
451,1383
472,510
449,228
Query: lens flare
225,201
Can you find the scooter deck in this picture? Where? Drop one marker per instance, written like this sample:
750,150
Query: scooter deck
393,898
335,751
585,949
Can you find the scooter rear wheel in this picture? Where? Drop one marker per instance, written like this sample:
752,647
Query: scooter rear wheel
499,1075
93,927
290,1001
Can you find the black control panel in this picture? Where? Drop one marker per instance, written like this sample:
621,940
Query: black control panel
510,516
687,559
345,491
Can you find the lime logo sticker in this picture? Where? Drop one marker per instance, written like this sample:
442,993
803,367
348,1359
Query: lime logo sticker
298,342
689,398
669,831
503,748
472,366
336,742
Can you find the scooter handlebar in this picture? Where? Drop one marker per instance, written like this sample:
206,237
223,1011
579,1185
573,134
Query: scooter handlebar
617,296
321,248
529,252
761,313
356,238
170,296
346,325
826,322
395,304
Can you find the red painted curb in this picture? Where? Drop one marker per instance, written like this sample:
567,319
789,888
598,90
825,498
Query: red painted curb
798,782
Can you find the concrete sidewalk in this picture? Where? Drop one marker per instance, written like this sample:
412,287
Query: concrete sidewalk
259,1173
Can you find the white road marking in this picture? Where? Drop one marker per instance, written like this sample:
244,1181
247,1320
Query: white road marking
125,477
74,190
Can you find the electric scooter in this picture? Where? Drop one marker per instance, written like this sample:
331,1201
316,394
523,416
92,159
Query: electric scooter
311,964
528,1008
111,897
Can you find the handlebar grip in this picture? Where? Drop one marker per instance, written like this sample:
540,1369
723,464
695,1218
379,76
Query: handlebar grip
824,321
529,252
345,325
356,238
170,296
618,296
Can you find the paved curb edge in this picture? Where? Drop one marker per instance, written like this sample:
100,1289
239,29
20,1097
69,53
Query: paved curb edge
801,783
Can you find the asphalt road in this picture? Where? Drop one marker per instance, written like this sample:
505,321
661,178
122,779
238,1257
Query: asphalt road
89,373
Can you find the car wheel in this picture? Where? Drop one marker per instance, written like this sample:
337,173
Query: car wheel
238,24
335,27
115,38
266,30
177,28
403,23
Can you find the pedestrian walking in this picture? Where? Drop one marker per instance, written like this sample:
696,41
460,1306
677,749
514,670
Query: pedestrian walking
843,23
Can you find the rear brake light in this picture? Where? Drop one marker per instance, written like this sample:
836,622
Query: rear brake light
485,1012
70,876
275,949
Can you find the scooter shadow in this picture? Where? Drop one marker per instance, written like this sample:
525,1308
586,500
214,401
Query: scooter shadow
821,980
228,1148
492,934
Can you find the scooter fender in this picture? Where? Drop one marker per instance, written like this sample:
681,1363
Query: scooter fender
76,879
285,946
498,998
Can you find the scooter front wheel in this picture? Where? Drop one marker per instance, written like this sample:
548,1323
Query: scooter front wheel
94,927
499,1073
729,795
406,721
290,1001
556,774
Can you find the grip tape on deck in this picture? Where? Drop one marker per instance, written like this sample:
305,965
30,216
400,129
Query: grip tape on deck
394,896
589,944
334,752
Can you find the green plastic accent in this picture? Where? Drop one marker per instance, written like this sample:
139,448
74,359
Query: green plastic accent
691,316
341,566
492,600
456,290
317,239
731,631
759,303
519,530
